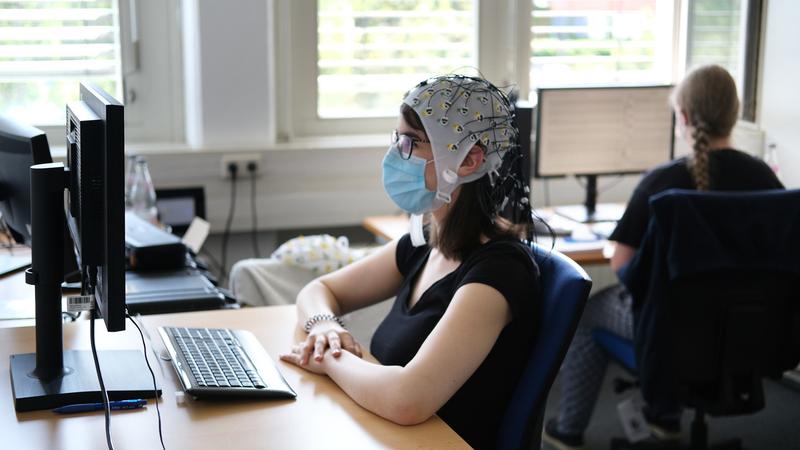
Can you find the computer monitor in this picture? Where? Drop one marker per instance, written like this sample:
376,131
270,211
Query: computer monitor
95,213
601,131
96,206
21,146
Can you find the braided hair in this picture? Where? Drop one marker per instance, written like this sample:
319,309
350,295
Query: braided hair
708,98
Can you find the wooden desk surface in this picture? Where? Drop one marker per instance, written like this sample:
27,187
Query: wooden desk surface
16,297
322,416
593,252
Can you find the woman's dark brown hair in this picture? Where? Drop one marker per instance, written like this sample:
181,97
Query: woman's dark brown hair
470,216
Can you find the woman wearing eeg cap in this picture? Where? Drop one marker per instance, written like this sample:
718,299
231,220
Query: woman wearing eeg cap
466,307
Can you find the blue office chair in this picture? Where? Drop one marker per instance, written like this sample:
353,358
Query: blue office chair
565,288
714,287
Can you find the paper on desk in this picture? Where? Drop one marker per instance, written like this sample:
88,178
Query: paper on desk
196,234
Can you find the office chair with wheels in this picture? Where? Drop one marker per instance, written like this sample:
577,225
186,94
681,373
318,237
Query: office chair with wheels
565,288
716,304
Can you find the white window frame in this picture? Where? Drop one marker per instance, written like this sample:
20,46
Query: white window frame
503,58
297,76
152,75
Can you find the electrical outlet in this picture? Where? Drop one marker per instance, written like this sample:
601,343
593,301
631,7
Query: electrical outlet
242,161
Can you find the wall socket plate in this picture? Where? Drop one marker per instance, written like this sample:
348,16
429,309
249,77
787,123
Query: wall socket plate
241,160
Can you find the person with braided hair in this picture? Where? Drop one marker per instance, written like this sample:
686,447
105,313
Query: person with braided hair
466,283
706,109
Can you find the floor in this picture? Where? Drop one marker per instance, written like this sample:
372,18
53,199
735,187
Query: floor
776,427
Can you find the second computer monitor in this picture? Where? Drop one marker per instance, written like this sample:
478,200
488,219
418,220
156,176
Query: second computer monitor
603,131
21,146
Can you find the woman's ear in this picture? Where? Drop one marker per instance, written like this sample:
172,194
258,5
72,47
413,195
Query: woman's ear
683,116
473,161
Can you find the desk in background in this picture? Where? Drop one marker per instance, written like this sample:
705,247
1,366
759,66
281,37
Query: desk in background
592,252
322,416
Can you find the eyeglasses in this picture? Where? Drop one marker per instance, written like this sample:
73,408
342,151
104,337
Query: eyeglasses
405,143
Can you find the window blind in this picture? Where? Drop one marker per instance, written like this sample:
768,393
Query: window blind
596,42
48,47
371,52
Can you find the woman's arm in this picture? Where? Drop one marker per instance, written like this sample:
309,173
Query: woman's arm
362,283
449,356
622,255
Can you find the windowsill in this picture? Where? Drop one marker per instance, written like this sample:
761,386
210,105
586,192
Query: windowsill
357,141
353,142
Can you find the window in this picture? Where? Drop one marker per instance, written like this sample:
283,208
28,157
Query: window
595,42
47,47
368,52
715,34
371,52
726,32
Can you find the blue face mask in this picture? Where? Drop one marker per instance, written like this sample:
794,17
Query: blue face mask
404,181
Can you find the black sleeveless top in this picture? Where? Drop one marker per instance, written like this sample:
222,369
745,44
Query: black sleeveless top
729,170
477,408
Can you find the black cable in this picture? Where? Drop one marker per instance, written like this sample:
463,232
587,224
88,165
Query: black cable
232,169
152,374
251,168
211,260
106,405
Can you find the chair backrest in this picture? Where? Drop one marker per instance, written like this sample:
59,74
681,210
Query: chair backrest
722,308
565,287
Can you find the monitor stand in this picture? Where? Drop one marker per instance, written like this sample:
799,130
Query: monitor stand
590,211
125,376
52,377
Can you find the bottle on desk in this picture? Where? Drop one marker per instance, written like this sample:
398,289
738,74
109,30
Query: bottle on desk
140,196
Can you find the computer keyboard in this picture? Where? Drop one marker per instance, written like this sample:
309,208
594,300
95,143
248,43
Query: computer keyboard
220,362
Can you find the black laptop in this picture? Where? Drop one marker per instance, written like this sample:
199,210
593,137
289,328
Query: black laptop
154,292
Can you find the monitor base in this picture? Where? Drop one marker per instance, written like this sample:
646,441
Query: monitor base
604,212
125,375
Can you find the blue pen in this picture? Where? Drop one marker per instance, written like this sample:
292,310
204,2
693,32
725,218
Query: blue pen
117,404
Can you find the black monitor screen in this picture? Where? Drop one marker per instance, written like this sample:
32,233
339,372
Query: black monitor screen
96,206
21,146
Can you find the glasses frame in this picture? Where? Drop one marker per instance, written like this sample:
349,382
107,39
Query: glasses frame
406,143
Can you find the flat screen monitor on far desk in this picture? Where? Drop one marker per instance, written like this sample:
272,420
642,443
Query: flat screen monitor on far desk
589,132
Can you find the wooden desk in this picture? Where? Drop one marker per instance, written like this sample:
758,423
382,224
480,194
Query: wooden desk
16,297
322,416
594,252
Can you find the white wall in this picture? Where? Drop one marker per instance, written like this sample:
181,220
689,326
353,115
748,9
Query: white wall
303,184
779,102
229,72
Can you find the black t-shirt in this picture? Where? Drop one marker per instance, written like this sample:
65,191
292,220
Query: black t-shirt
476,409
729,170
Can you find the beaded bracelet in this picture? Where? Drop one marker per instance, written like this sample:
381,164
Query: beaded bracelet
317,318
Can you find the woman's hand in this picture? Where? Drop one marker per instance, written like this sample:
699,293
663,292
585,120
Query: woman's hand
325,335
294,357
